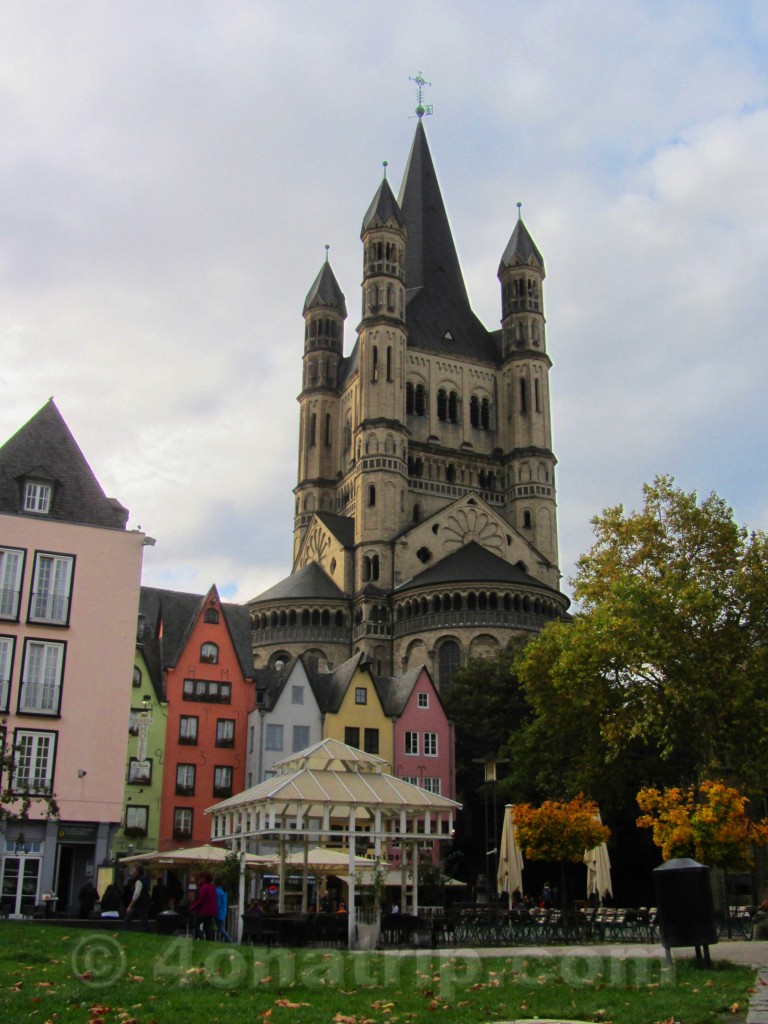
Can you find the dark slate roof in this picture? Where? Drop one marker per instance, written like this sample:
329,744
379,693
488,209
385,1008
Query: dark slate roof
437,303
238,621
383,209
308,582
350,363
330,687
272,681
520,248
394,691
342,527
325,292
471,564
44,449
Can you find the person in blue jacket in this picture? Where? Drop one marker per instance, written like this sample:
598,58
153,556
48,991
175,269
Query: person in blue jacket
222,902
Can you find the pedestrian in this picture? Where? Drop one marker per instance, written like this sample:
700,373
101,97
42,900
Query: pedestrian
88,897
760,922
111,901
139,898
204,907
222,902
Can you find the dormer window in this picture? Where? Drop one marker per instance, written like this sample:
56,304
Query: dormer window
37,497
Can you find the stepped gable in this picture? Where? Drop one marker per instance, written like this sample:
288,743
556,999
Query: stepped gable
44,450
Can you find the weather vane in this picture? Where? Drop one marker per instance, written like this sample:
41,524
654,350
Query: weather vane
420,81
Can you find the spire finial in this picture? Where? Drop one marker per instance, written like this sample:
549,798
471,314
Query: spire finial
420,81
519,211
385,164
327,247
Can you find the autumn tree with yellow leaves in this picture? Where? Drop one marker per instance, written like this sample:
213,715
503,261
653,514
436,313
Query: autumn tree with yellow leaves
708,822
559,830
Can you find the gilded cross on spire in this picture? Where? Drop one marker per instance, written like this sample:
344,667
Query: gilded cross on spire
420,81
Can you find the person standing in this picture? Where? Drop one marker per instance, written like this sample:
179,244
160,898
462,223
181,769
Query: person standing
139,901
88,897
222,902
204,907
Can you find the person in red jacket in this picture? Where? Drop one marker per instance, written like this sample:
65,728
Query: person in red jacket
204,907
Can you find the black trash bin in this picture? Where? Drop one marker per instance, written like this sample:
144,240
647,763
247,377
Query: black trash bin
686,912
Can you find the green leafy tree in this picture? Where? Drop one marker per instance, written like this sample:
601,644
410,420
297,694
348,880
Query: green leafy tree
660,676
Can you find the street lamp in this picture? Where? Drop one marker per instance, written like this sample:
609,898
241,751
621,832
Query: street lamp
490,762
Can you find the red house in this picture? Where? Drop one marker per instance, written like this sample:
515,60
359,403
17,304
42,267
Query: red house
204,647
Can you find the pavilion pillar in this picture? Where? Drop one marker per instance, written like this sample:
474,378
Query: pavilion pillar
351,893
415,855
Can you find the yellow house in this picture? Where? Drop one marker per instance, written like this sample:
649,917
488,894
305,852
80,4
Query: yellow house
353,711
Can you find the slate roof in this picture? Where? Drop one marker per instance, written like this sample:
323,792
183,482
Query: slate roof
178,612
44,449
520,248
436,297
342,527
308,582
383,209
325,292
330,687
471,564
394,691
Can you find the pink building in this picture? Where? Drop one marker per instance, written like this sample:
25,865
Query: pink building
69,592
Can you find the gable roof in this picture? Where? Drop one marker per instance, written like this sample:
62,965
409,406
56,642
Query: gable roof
342,527
44,449
472,563
331,687
308,582
438,314
395,690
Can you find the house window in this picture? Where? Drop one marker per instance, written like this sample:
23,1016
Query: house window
430,744
185,779
225,732
423,700
182,823
136,820
274,738
6,662
352,736
51,586
139,772
136,677
412,780
251,736
188,729
41,678
361,695
411,743
371,741
208,690
300,738
11,564
222,780
37,497
34,758
210,653
432,786
211,616
297,695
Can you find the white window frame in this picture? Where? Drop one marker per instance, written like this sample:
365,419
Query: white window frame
296,744
184,773
51,588
411,747
412,779
225,726
11,569
34,757
271,735
41,677
7,647
184,736
361,695
221,771
430,744
37,497
182,821
423,700
432,785
137,772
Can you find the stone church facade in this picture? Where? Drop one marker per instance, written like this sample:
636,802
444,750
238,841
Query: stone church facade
425,528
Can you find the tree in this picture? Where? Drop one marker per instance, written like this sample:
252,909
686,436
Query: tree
708,822
660,676
559,830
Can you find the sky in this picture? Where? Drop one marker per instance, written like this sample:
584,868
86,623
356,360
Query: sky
170,173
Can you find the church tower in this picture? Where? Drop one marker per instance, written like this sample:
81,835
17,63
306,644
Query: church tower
324,314
527,427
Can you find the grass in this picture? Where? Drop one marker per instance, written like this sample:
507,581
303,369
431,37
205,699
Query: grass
49,975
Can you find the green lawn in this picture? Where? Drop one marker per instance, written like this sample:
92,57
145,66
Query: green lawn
51,974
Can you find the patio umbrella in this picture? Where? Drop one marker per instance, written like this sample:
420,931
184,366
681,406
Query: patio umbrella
598,870
194,856
510,874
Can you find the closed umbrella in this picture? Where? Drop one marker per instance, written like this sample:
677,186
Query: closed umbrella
598,870
510,874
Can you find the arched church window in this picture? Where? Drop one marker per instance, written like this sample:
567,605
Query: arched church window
312,430
485,414
420,400
449,660
536,399
474,411
527,521
327,430
410,405
375,363
371,495
523,395
442,404
453,407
